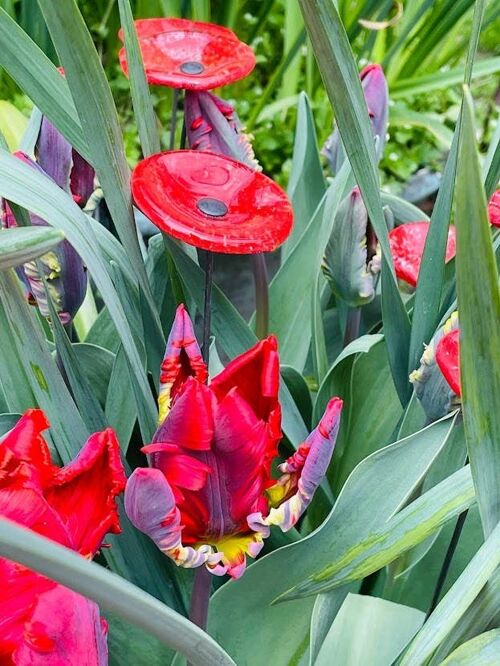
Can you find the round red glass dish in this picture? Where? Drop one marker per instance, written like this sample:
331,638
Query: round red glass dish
407,246
448,359
190,54
212,202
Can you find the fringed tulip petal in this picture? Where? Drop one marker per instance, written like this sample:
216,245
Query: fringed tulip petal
182,360
212,124
150,505
26,443
448,359
84,492
303,473
255,373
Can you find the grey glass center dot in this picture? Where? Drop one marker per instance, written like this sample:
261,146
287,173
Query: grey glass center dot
212,207
191,67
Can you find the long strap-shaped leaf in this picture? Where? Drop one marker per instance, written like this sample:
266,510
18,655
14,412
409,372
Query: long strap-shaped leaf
456,601
111,592
431,276
340,75
141,99
479,308
40,80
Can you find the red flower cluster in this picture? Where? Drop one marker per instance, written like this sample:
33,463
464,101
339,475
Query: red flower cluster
40,620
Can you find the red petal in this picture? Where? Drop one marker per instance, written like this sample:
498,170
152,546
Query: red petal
64,628
448,359
26,443
494,209
255,374
189,424
407,245
182,360
214,54
252,214
84,492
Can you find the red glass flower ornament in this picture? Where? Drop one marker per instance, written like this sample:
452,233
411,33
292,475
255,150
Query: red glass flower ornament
42,621
448,359
407,246
209,498
190,54
212,201
494,209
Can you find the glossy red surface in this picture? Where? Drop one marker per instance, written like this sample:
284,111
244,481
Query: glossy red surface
448,359
168,44
494,209
407,245
168,188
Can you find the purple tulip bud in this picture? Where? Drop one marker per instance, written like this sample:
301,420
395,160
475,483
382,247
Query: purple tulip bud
212,124
62,267
431,388
63,164
352,257
376,93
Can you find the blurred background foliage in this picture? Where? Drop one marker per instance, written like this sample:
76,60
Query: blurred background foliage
421,46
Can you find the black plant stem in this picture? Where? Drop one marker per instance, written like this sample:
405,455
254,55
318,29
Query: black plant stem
173,117
352,325
447,561
445,567
200,595
259,268
207,304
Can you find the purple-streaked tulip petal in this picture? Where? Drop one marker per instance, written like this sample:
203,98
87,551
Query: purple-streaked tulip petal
81,179
182,360
150,505
54,154
302,474
212,124
64,628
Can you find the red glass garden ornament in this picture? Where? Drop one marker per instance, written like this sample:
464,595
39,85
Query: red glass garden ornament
212,202
407,246
190,54
448,359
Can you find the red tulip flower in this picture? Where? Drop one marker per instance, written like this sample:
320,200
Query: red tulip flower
212,202
190,54
448,359
40,620
407,246
494,209
208,497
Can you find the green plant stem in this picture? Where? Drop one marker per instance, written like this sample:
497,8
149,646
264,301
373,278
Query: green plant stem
352,325
207,304
200,595
173,117
259,268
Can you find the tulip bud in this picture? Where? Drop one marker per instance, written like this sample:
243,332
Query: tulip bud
377,100
212,124
494,209
431,387
62,267
352,257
